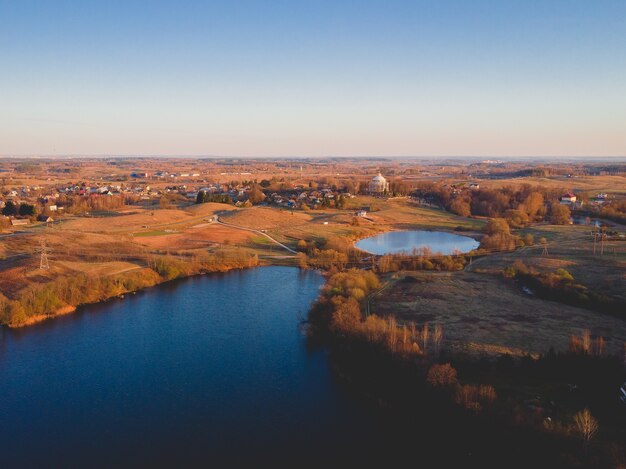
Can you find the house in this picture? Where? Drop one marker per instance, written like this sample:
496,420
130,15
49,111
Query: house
361,213
568,199
45,218
474,186
20,221
53,208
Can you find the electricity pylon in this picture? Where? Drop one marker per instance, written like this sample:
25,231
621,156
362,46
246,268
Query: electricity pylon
43,255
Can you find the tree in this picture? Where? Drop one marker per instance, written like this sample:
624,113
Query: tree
461,207
27,210
559,214
256,196
9,209
586,425
497,226
200,197
302,259
533,203
347,315
498,235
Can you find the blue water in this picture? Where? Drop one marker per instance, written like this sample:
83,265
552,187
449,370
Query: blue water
209,370
394,242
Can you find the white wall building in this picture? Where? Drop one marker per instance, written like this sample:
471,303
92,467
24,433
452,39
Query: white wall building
378,185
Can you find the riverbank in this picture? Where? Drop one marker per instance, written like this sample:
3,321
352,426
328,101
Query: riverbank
63,295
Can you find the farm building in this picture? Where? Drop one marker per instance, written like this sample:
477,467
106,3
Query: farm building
20,221
568,199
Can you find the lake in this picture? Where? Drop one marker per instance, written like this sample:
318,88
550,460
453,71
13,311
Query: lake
211,369
394,242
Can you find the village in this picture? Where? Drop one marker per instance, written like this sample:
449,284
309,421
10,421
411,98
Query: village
51,199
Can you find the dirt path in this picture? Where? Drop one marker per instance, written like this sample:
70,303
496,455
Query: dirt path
258,232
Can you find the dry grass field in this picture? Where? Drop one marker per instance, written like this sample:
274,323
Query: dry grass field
611,184
481,312
569,247
196,237
266,218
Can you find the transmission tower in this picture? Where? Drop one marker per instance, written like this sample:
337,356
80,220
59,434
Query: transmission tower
43,251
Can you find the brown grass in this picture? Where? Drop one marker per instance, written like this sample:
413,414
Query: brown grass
493,315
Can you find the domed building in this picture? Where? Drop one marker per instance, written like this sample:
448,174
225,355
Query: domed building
378,185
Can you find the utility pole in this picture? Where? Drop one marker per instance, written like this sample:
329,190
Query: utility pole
43,255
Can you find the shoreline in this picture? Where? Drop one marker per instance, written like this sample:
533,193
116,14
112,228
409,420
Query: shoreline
69,308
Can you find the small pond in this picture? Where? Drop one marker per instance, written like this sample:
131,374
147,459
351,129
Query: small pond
394,242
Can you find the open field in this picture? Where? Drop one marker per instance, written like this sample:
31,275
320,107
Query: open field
569,247
265,218
611,184
481,309
479,312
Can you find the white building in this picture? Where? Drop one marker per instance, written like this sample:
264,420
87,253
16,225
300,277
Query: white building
378,185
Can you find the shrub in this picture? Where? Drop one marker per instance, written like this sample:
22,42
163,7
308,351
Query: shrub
442,375
586,425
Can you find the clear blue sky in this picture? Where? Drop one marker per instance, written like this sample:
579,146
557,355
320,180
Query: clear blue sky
309,78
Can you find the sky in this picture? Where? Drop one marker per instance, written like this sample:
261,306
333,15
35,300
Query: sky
313,78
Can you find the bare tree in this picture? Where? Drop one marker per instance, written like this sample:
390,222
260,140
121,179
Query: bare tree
437,337
425,334
586,425
586,340
600,346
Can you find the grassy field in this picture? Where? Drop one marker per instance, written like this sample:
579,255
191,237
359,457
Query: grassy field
570,247
152,233
483,312
610,184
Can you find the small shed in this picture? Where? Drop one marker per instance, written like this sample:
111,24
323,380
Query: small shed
20,221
